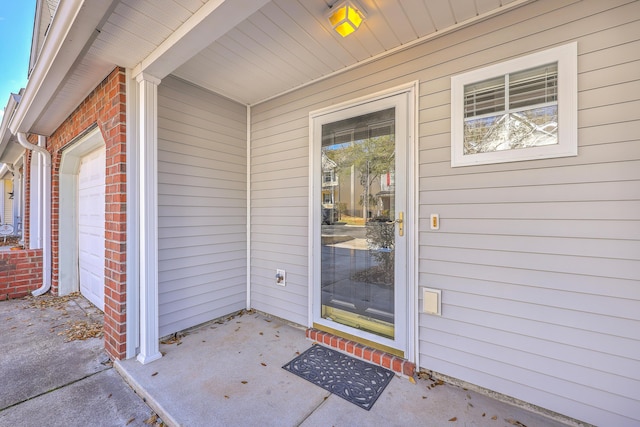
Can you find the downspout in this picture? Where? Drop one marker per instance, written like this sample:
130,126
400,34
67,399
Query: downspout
248,207
45,217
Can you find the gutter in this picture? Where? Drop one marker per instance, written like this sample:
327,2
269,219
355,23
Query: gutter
44,187
5,168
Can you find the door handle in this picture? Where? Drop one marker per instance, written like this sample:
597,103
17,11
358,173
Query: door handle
400,222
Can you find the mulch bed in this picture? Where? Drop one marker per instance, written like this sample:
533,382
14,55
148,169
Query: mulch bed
12,241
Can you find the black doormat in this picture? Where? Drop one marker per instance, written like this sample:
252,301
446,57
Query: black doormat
359,382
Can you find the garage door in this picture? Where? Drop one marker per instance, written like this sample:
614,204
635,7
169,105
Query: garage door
91,207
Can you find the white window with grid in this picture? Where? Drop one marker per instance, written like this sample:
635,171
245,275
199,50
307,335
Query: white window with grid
522,109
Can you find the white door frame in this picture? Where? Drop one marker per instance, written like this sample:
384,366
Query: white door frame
409,339
68,274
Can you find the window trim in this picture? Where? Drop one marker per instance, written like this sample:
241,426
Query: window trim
566,57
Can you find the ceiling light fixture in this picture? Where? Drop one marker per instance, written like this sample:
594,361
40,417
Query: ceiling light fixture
346,17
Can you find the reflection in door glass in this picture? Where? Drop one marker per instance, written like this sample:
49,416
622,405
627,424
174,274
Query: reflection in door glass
358,233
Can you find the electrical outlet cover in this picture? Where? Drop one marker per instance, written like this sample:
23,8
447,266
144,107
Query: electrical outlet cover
281,277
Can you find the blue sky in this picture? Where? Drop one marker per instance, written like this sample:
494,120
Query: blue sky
16,26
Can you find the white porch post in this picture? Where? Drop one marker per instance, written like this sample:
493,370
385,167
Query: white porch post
148,230
17,201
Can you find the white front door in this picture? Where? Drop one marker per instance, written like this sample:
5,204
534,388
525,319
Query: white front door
361,210
91,208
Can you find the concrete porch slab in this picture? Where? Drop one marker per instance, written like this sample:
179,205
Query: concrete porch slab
229,373
46,378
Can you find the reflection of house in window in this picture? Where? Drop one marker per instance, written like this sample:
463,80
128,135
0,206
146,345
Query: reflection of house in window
358,165
329,189
386,193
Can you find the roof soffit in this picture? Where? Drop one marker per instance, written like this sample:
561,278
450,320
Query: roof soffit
206,25
247,50
6,137
73,28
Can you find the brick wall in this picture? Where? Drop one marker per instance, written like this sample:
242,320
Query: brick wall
106,107
20,273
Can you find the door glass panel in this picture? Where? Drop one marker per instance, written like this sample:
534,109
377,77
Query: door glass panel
358,232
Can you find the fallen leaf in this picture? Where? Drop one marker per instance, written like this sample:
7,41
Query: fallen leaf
130,421
515,422
154,374
261,333
495,417
152,419
226,397
412,380
110,394
82,330
172,339
244,382
453,419
263,364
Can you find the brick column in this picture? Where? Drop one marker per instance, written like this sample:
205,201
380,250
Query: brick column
106,107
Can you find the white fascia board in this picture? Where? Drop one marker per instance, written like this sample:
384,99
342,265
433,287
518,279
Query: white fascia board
73,27
213,20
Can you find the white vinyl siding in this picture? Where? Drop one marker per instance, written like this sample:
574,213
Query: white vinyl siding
538,261
6,217
201,206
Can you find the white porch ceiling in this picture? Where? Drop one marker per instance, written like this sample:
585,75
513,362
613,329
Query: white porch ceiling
276,46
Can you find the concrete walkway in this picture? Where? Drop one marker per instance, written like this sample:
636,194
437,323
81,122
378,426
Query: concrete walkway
49,378
230,373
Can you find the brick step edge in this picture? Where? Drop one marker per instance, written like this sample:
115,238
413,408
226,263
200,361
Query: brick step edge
377,357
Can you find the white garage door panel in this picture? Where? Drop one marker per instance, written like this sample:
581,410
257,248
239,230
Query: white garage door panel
91,207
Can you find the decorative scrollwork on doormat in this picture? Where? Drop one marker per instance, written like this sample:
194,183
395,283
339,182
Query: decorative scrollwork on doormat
354,380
